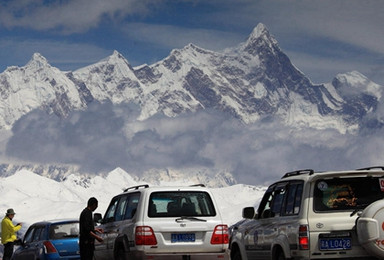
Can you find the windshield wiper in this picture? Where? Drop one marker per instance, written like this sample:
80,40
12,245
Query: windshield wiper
190,218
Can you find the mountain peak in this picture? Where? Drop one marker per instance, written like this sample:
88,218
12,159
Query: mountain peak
259,31
38,61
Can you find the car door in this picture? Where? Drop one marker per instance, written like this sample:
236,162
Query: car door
30,248
255,230
118,216
103,249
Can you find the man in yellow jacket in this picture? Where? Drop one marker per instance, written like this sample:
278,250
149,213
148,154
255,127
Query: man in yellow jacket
8,233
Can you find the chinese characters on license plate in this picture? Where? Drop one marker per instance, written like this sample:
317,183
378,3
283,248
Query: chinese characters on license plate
189,237
335,244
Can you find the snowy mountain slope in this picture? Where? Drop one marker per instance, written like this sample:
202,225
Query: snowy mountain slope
36,198
37,85
251,81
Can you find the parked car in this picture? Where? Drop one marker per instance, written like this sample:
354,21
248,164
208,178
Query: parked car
48,240
315,215
163,223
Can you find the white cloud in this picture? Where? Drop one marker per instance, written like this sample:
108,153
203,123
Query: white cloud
72,16
64,55
173,36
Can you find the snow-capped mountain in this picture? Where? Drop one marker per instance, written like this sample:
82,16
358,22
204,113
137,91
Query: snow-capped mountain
154,176
251,81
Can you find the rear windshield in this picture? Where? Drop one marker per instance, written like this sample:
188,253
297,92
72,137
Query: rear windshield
180,203
347,193
62,231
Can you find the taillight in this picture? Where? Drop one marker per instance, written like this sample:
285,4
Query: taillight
220,235
303,237
49,247
144,236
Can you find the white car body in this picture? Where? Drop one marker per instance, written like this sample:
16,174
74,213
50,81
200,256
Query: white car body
309,215
158,231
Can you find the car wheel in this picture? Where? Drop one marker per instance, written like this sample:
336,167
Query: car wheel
280,255
120,254
236,255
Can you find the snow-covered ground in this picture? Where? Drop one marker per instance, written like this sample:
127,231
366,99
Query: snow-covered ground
35,198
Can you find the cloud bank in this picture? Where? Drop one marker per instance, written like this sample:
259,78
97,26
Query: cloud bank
105,137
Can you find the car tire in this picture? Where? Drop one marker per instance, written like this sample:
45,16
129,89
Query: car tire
370,229
120,254
236,255
280,255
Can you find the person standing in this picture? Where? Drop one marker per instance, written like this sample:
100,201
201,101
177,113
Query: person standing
8,233
88,231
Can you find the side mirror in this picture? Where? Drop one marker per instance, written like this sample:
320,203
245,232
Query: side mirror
249,212
97,218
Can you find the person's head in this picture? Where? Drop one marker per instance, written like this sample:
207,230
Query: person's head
92,203
10,213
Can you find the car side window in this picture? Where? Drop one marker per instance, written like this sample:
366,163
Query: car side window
110,214
278,199
37,235
273,200
264,210
293,198
29,236
126,207
132,202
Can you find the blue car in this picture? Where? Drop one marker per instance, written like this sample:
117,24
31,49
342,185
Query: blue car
58,239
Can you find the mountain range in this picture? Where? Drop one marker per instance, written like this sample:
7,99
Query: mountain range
250,82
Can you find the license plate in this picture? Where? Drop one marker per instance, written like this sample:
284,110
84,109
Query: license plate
335,244
189,237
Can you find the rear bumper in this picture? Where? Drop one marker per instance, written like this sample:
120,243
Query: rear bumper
139,255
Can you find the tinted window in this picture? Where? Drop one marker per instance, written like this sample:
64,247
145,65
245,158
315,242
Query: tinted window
346,193
29,235
110,214
293,198
278,199
127,206
180,203
272,203
38,234
62,231
122,207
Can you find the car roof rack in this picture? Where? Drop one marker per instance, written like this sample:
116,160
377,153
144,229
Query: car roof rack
298,172
197,185
371,168
137,187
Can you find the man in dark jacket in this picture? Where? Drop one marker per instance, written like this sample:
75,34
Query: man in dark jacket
88,231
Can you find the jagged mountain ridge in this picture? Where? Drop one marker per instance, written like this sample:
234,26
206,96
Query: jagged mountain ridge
251,81
154,176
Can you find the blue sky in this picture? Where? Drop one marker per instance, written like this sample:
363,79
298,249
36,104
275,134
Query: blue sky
322,38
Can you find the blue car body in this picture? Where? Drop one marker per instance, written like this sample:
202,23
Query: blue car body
46,240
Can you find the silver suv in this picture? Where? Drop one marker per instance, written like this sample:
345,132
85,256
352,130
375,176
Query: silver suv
315,215
163,223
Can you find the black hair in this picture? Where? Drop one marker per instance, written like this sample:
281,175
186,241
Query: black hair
92,201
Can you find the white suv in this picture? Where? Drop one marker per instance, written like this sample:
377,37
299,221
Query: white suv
315,215
163,223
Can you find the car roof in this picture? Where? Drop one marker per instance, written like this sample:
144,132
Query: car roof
311,175
147,188
55,221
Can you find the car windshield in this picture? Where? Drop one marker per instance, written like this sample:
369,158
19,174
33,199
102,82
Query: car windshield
339,194
180,204
62,231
